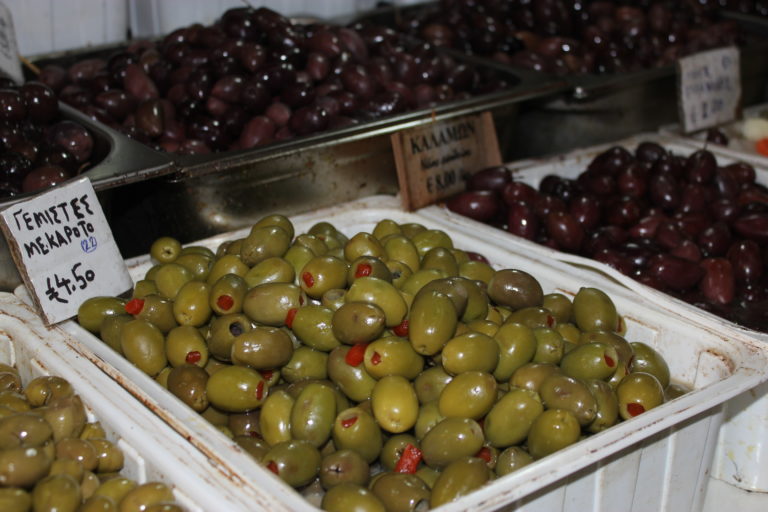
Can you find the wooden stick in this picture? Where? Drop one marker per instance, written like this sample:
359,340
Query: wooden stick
29,64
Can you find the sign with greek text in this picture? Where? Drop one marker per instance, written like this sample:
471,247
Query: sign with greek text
434,159
9,49
709,88
64,249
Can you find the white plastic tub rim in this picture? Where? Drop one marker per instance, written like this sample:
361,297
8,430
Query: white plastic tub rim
153,451
717,365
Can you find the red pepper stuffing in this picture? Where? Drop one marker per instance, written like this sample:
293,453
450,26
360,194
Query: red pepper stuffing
272,466
409,460
193,357
355,354
308,278
401,329
134,306
634,409
550,321
260,390
363,270
375,358
348,422
290,316
225,302
484,453
609,361
267,374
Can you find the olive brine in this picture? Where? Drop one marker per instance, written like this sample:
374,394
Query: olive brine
53,459
383,370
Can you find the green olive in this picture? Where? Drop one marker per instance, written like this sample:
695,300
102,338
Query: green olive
368,266
468,352
264,242
314,243
222,334
429,239
382,294
531,375
400,248
385,228
313,325
517,346
393,449
169,279
313,414
512,459
469,395
401,492
533,317
560,391
358,322
306,363
157,310
363,244
165,249
44,389
236,389
511,418
593,310
15,500
392,356
595,360
143,496
355,429
552,430
270,303
440,258
353,380
275,417
23,466
262,348
349,497
515,289
191,305
450,440
115,488
66,416
143,344
79,450
430,383
607,405
23,429
110,330
343,466
432,322
188,383
647,360
56,493
550,346
321,274
198,264
270,270
185,345
394,402
476,271
560,306
429,416
93,311
459,478
637,393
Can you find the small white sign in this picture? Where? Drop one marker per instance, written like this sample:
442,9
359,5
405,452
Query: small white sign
64,249
709,88
9,49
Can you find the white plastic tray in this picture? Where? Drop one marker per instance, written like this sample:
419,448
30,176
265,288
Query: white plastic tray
743,445
738,147
658,461
153,451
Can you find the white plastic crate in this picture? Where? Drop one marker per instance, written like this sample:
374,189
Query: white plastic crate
742,454
152,450
659,460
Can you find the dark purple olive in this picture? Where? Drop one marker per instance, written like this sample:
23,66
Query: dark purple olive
228,88
12,106
522,220
149,118
73,137
715,240
318,66
597,183
746,257
718,284
558,186
586,210
308,119
85,69
611,161
490,178
41,102
676,273
691,224
633,180
725,210
624,212
753,226
701,166
53,76
716,136
647,226
297,95
258,131
743,173
116,103
13,168
44,177
481,205
357,81
254,96
664,191
279,113
138,84
565,230
687,250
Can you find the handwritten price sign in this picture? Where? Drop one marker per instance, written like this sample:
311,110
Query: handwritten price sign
64,249
709,88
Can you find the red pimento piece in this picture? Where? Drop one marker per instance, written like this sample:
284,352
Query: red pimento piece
484,453
363,270
375,358
290,316
634,409
267,374
401,329
609,361
355,354
225,302
134,306
272,466
193,357
348,422
550,321
308,278
409,460
260,390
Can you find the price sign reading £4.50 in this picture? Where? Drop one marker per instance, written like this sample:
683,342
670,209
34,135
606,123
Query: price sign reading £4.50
64,249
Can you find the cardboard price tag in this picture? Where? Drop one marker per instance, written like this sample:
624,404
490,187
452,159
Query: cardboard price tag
434,159
9,49
709,88
64,249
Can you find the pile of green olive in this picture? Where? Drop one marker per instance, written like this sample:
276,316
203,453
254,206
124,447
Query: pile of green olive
385,371
53,459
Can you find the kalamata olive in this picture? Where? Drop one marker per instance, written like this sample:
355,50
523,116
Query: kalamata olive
522,220
53,76
743,173
308,119
73,137
481,205
138,84
279,113
318,66
747,260
565,230
40,101
149,118
12,106
718,283
611,161
753,227
490,178
701,166
716,136
715,240
664,191
116,103
258,131
676,273
85,69
43,177
357,81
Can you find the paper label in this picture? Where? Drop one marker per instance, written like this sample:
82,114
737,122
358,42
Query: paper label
64,249
9,49
709,88
433,160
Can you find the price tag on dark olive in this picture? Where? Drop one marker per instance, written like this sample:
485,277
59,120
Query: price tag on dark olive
9,50
709,88
434,159
64,249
